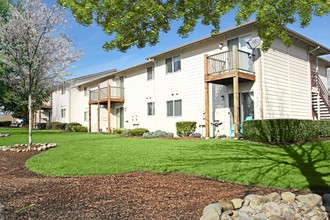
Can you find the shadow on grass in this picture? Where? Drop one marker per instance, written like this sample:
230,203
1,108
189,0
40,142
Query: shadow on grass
296,166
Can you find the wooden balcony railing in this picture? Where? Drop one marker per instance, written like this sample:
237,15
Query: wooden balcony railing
230,60
106,93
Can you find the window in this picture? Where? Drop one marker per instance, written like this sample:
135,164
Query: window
174,108
173,64
85,91
85,116
63,91
150,74
63,113
151,108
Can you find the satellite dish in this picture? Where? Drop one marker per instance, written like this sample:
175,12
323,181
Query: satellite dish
253,43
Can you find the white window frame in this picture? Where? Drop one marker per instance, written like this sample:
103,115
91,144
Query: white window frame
85,115
152,112
172,60
150,76
173,112
63,113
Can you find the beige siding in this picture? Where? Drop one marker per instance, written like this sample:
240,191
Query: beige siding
287,88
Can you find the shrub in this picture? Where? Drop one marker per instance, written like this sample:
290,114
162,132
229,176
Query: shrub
137,132
157,134
118,130
69,126
185,128
324,128
49,125
280,130
5,123
79,128
56,125
42,126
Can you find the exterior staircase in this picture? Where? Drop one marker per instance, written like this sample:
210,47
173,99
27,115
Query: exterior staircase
321,99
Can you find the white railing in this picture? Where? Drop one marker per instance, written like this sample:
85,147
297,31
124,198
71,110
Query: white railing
102,93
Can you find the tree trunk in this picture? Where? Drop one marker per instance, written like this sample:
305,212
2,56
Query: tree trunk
30,121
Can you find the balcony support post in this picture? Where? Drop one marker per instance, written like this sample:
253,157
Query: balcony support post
109,109
98,109
236,104
207,96
89,118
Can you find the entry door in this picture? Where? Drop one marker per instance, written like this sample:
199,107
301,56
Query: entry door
230,44
244,57
120,117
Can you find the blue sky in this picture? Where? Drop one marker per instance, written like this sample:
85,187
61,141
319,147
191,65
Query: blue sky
90,39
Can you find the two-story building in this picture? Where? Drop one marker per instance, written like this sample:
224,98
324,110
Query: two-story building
217,81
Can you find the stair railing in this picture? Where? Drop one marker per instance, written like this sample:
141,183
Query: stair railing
323,91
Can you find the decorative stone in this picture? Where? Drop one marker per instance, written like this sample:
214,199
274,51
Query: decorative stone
226,205
213,208
256,199
272,208
273,197
260,216
288,197
311,200
238,203
211,215
248,210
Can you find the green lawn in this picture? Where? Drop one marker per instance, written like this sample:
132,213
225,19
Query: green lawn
295,166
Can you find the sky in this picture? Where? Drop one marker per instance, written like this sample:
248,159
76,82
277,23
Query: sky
91,39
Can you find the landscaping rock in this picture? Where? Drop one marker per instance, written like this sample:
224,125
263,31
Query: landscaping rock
288,197
237,203
24,147
213,207
226,205
4,135
2,211
288,206
311,200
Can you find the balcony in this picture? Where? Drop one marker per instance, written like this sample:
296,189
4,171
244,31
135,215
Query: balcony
104,94
46,105
222,67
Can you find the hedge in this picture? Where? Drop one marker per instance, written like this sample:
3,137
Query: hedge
42,126
56,125
185,128
69,126
118,130
5,123
79,128
324,127
137,132
284,130
158,134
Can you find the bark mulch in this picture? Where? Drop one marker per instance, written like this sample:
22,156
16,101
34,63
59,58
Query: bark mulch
138,195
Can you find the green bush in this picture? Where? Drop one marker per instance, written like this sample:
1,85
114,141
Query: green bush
157,134
118,130
5,123
185,128
79,128
281,130
42,126
137,132
69,126
324,128
49,125
55,125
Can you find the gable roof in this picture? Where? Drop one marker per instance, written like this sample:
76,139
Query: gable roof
323,50
93,77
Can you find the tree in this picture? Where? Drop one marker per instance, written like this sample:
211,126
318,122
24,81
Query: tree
35,50
139,22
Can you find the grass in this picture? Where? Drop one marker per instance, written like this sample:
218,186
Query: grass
293,167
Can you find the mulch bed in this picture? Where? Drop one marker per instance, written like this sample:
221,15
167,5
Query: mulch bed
138,195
